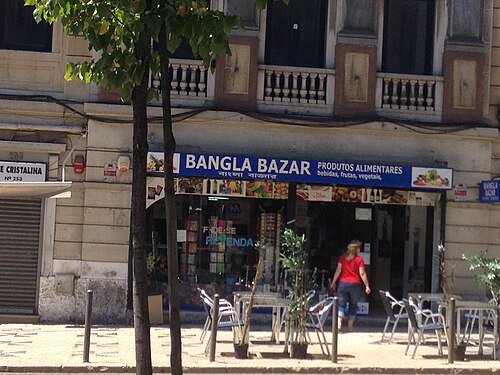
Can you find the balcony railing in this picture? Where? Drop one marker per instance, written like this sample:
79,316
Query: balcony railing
280,84
411,94
189,79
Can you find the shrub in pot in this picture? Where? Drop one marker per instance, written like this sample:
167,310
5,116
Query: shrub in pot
241,343
294,260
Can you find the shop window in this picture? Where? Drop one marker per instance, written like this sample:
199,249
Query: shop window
19,31
408,36
244,10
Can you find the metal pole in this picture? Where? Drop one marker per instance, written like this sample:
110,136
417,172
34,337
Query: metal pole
451,330
335,329
88,324
215,323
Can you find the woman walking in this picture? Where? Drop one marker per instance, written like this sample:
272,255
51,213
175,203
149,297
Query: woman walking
351,276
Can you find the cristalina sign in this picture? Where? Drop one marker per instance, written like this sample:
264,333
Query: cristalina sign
326,172
22,172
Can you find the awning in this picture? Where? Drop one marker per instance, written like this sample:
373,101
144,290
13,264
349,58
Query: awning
49,189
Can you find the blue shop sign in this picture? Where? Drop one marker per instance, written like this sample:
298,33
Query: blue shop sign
306,171
489,191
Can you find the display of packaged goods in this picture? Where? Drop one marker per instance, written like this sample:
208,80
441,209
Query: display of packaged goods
189,185
192,247
191,236
191,259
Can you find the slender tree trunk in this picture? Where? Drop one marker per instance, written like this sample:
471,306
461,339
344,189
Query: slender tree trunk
170,208
138,214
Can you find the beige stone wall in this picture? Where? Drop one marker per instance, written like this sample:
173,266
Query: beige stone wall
495,65
43,72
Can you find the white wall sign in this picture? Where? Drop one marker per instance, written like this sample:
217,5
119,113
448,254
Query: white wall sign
110,172
363,214
11,171
460,191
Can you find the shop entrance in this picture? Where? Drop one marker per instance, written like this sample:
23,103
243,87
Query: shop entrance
397,243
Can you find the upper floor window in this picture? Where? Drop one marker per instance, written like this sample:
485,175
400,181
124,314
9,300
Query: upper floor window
244,10
295,34
19,31
408,36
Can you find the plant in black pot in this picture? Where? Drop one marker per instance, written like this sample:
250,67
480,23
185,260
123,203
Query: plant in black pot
241,343
294,261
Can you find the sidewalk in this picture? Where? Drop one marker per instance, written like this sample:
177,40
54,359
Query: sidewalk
59,348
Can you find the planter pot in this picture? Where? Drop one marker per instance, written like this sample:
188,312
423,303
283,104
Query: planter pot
298,351
240,351
459,352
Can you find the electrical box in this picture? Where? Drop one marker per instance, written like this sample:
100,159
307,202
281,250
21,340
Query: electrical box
65,284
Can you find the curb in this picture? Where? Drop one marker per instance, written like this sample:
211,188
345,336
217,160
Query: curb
247,370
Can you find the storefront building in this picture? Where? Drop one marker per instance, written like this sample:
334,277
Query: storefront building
373,119
221,218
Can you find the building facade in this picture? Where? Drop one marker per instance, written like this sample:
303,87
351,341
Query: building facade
368,119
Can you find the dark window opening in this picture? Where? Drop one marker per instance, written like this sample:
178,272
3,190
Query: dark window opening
408,36
19,31
295,34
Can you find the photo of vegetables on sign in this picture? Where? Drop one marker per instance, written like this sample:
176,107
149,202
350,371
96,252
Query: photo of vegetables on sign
431,177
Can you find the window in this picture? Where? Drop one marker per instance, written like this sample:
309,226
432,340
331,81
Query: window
295,34
19,31
244,10
408,36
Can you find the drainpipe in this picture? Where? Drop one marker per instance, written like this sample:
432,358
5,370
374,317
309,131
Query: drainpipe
83,135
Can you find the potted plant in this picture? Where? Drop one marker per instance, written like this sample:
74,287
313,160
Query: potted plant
489,275
241,343
294,261
446,282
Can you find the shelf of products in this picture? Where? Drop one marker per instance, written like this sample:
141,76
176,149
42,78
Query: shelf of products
189,251
270,227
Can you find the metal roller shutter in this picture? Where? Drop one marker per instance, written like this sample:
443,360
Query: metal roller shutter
19,255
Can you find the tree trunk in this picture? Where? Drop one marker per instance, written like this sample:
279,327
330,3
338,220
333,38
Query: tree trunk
170,208
138,214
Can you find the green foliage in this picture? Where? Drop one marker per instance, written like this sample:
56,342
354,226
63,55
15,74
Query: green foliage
489,274
294,260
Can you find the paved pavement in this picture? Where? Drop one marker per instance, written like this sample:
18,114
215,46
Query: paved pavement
43,348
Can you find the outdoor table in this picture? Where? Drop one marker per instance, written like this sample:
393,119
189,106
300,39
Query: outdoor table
480,307
275,301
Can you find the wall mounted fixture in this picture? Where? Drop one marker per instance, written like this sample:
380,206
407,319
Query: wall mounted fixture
123,163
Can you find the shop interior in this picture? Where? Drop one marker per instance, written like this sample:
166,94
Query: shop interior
218,235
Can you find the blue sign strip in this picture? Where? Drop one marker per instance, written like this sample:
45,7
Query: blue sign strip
310,171
489,191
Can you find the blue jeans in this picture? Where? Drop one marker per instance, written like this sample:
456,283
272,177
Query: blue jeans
349,293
